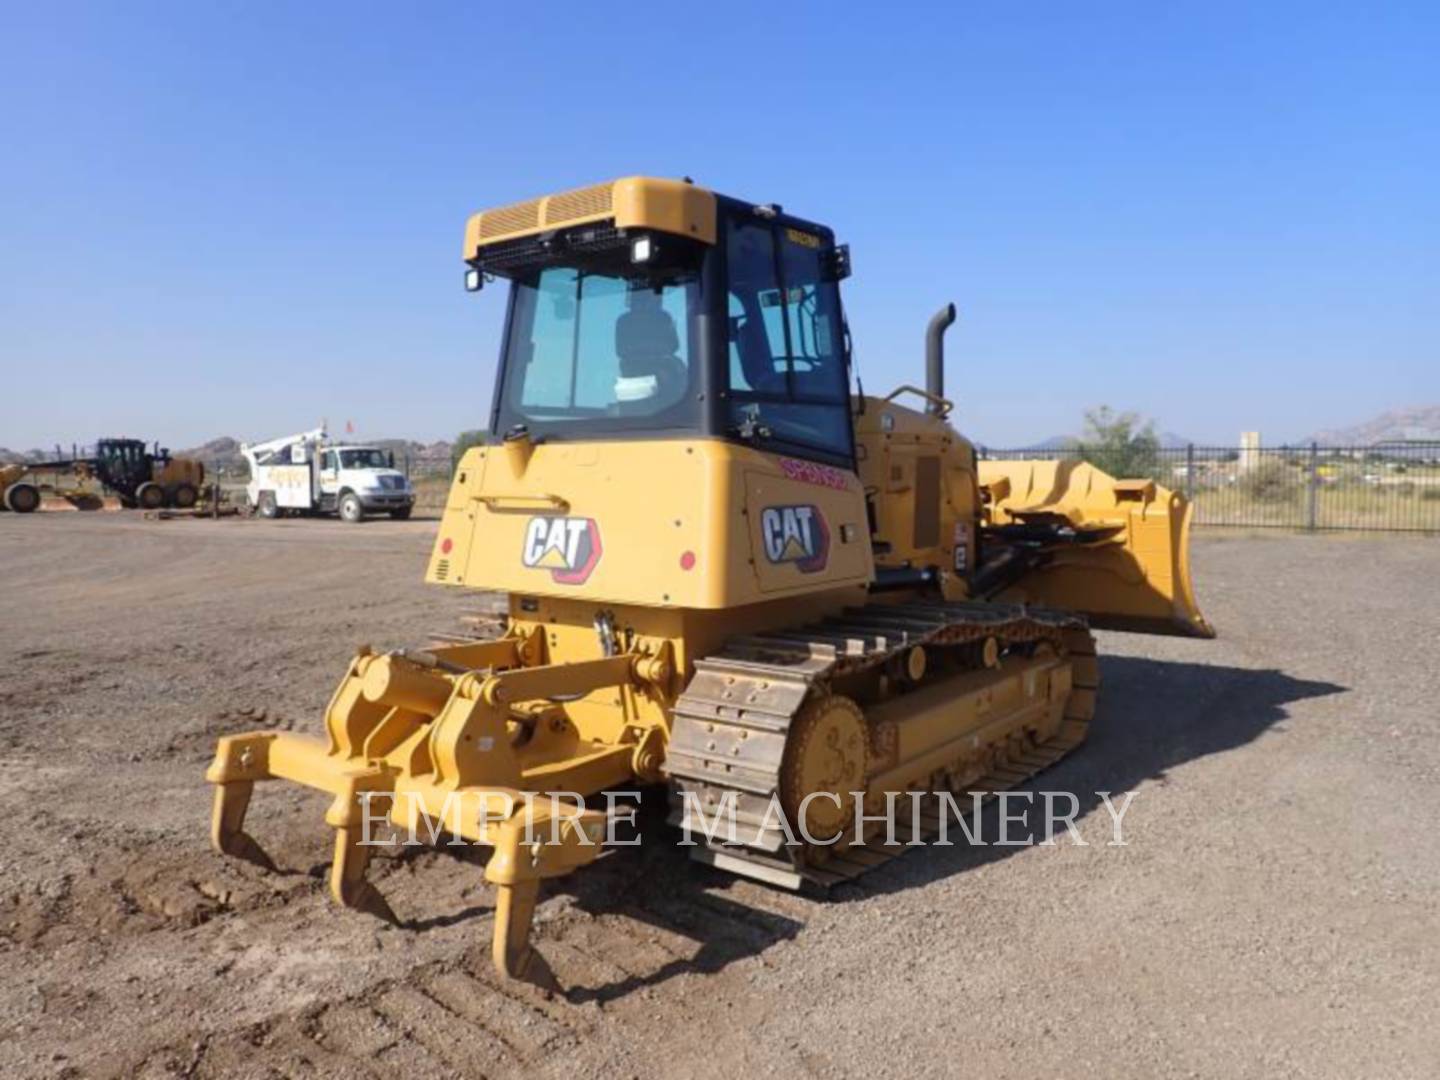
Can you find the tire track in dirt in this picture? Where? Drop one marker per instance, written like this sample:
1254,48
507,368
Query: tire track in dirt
439,1019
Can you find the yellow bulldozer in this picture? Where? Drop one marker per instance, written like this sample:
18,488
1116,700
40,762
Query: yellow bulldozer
727,573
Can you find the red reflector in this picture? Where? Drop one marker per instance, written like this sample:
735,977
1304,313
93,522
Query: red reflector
446,545
687,561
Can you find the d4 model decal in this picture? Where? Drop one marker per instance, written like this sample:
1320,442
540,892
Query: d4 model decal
568,547
795,534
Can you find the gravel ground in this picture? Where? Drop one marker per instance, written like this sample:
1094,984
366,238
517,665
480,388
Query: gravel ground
1274,912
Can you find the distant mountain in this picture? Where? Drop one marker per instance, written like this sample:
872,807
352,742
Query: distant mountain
1417,424
13,457
223,453
1055,442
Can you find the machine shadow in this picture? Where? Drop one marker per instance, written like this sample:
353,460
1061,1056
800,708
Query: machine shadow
655,884
1154,715
649,882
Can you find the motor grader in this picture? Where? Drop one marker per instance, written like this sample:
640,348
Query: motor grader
139,476
727,573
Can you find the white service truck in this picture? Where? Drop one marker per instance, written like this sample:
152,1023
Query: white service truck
308,474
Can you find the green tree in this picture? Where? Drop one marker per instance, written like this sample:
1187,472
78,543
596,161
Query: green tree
1121,444
464,441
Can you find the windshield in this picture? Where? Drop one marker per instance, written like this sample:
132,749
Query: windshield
366,458
588,347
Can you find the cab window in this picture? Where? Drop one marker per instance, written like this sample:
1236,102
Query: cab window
587,345
788,377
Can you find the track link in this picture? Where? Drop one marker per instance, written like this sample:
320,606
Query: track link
731,725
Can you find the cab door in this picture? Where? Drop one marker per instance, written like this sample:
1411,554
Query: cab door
329,474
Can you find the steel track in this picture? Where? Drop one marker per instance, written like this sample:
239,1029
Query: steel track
730,727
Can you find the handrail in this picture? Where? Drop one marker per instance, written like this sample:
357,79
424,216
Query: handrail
945,404
502,503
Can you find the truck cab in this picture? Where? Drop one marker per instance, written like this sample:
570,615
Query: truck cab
367,475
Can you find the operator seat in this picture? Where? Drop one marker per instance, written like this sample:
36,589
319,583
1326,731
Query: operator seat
648,345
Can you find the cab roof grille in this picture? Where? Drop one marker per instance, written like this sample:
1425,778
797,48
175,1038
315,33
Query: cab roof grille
587,202
551,211
509,219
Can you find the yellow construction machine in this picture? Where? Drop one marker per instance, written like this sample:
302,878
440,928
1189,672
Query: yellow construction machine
148,478
727,573
16,493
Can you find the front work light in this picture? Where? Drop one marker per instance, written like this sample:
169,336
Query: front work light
474,279
642,249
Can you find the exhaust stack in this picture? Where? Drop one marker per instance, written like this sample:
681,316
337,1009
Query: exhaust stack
935,356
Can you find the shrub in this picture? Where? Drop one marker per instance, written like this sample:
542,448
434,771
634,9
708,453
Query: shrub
1270,481
464,441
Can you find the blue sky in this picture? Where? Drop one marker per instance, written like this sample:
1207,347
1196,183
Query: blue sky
224,218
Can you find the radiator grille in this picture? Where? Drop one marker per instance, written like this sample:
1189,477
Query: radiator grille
510,219
583,202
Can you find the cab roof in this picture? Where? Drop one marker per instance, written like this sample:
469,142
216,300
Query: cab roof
641,202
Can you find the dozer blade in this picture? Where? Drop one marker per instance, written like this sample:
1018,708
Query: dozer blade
1117,551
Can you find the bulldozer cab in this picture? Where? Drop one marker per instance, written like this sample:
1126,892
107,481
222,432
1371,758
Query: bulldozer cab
649,310
638,332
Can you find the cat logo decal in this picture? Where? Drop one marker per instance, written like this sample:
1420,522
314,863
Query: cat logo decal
795,534
569,547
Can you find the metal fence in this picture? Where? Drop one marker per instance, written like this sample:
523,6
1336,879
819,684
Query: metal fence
430,477
1382,488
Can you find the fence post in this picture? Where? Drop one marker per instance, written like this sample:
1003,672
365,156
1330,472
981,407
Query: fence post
1312,495
1190,472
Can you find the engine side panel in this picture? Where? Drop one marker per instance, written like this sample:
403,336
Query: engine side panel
920,479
